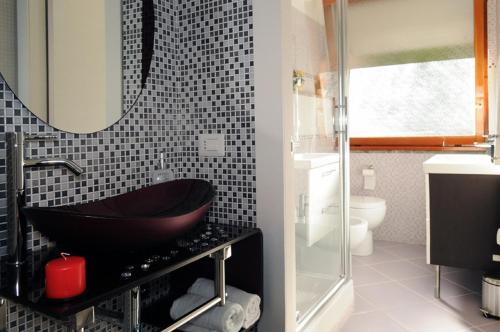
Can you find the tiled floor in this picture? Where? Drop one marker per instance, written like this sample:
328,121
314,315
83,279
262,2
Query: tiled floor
394,291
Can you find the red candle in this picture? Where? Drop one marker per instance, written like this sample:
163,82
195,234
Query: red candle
65,277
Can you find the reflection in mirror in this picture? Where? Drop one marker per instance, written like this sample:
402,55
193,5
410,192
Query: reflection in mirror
78,64
83,57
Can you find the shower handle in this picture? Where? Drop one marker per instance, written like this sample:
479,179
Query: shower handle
340,116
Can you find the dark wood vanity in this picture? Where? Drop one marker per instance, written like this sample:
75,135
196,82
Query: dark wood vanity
463,211
464,219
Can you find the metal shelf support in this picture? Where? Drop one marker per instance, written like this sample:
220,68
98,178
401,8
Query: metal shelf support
220,273
3,315
219,287
132,321
437,286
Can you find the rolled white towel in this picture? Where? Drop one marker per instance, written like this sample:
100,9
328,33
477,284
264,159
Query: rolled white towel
227,318
194,328
249,302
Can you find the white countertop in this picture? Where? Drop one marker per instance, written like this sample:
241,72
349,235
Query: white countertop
461,164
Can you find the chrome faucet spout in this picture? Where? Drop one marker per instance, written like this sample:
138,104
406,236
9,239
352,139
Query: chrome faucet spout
71,165
16,163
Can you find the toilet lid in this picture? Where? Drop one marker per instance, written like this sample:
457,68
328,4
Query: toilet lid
366,202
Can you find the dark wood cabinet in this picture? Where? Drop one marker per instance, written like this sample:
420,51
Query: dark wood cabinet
464,216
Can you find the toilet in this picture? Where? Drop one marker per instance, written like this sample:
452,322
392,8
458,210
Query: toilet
372,210
358,229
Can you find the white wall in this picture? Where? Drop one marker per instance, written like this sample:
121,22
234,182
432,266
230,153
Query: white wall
273,99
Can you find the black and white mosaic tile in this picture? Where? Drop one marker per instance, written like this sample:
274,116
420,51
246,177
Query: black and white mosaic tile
115,160
217,97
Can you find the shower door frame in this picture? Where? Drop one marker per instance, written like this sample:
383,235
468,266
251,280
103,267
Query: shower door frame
341,131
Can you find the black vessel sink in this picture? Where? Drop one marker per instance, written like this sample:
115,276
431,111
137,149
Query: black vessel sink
139,219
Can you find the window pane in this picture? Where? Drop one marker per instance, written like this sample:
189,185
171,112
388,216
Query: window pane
418,99
412,68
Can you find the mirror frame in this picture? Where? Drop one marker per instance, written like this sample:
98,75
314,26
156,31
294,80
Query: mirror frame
148,40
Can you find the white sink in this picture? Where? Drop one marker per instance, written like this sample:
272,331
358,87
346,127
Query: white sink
461,164
314,160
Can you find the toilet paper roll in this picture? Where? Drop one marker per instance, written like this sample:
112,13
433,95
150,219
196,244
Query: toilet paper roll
369,179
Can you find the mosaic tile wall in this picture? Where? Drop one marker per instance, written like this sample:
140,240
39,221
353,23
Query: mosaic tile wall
217,97
115,160
201,81
405,216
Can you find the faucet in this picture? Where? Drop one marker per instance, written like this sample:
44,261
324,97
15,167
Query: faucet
16,163
489,144
492,150
495,148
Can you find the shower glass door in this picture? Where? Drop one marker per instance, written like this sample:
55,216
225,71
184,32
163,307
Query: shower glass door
320,147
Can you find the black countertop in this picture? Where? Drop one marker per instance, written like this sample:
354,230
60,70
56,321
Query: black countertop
105,271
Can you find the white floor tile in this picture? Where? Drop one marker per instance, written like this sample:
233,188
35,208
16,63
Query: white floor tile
408,251
426,317
365,275
467,306
425,287
361,305
399,270
356,262
379,255
494,326
394,291
389,295
371,322
422,263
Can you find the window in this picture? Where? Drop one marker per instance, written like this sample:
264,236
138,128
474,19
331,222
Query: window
417,73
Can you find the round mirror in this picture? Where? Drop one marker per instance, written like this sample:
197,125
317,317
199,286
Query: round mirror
79,65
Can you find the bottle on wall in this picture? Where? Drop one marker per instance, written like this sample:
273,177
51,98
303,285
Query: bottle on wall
162,173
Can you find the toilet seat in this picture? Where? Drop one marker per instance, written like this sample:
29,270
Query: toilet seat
366,202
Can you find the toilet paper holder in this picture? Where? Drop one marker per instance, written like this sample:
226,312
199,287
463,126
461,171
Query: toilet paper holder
369,171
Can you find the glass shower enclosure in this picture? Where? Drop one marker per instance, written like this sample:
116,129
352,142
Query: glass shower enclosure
321,154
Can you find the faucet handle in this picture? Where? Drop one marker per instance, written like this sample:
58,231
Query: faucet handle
39,137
